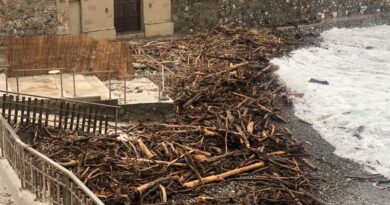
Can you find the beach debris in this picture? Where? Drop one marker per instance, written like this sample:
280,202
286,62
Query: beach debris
322,82
298,95
227,139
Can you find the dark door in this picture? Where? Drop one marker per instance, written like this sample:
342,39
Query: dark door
127,15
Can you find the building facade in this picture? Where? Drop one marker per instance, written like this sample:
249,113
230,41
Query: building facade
106,19
110,19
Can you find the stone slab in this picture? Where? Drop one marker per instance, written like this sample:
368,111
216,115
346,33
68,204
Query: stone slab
138,91
99,87
2,82
90,88
44,85
163,28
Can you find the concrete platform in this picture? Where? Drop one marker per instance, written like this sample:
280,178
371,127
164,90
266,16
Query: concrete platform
100,88
2,82
50,86
142,101
10,188
44,85
138,91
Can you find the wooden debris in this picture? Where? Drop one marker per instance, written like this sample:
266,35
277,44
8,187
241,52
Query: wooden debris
145,149
144,187
250,127
164,197
223,176
71,163
158,162
309,163
227,118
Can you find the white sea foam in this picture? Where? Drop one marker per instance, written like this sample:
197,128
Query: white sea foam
353,111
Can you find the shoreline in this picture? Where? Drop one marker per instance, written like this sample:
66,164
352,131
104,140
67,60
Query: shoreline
340,180
341,22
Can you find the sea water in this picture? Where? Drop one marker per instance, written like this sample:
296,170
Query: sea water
352,112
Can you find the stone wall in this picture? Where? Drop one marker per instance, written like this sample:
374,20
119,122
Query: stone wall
195,15
35,17
28,17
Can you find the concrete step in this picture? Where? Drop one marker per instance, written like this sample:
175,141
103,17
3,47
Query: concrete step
83,87
138,91
43,85
2,83
99,87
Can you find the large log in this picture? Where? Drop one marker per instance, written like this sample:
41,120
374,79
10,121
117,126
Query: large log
145,149
144,187
223,176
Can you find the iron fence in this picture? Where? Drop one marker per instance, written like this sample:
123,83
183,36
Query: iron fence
159,79
57,113
49,181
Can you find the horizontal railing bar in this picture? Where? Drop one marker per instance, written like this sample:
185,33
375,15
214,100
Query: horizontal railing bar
52,126
63,69
37,69
46,175
50,114
60,99
164,67
91,72
144,76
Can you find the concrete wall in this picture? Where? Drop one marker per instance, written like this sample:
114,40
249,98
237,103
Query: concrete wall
157,19
75,17
96,18
195,15
62,7
147,112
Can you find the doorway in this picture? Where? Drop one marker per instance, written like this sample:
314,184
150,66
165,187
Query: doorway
127,15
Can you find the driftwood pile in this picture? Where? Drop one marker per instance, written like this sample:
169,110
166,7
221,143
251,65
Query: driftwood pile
226,143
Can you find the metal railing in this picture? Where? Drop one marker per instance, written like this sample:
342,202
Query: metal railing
27,70
67,114
60,73
162,95
161,84
49,181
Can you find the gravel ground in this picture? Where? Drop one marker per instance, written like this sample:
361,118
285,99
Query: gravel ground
340,180
5,196
10,190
